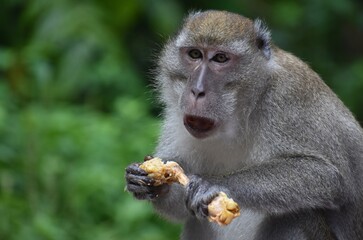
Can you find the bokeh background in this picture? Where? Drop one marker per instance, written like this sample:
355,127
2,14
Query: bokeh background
76,106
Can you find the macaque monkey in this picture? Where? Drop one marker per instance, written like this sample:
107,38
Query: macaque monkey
246,118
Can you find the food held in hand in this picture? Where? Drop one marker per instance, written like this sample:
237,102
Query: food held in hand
223,210
168,172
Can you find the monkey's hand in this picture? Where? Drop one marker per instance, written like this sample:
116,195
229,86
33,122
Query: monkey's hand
199,194
141,185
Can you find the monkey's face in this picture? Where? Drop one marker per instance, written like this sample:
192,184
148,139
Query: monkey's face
206,100
207,68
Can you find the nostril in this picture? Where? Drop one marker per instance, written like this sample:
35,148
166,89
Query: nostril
197,93
201,94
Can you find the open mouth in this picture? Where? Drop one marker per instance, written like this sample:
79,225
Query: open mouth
199,127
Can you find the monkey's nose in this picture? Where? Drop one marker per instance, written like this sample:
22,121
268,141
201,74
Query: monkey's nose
198,93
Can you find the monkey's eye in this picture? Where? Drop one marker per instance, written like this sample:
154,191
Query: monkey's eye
195,54
220,58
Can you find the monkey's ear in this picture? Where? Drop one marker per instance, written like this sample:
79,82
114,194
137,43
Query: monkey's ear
263,37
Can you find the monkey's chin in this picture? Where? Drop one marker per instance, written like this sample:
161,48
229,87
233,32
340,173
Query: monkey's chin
199,127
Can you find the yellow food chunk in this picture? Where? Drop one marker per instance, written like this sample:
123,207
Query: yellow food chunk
162,173
223,210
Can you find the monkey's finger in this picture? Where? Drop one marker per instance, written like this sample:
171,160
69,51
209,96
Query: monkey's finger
192,185
203,210
199,209
139,180
136,170
148,157
148,193
201,206
208,198
135,188
193,201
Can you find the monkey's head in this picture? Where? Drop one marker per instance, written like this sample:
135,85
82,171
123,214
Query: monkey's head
216,61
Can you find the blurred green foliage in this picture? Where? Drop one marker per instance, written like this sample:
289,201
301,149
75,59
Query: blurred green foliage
76,109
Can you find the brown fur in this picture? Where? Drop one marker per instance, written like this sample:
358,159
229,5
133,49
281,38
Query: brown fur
216,27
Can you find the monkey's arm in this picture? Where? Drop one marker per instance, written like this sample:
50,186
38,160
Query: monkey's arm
287,184
172,204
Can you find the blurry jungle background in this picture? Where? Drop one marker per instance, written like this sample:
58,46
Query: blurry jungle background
76,107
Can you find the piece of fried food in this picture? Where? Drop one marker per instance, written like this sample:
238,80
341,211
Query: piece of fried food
223,210
168,172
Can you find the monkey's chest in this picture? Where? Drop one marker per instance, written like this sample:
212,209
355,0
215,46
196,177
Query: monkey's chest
243,227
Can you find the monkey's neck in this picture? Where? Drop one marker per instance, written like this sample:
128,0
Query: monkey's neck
221,153
220,157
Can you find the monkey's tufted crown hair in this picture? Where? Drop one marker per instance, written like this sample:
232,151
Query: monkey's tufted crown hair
216,27
219,27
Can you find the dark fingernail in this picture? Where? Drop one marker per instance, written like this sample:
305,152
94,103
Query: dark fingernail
153,196
148,157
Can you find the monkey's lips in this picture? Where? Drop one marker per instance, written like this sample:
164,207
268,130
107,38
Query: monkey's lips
199,127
